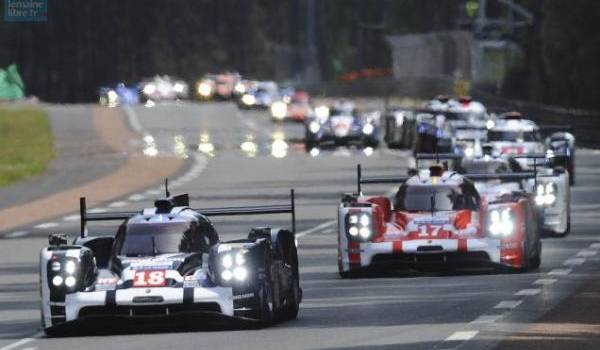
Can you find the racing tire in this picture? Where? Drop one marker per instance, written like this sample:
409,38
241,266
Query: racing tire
292,301
536,260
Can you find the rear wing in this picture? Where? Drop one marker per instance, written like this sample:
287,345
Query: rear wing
376,179
504,176
225,211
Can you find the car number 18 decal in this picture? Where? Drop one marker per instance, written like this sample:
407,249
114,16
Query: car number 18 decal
156,278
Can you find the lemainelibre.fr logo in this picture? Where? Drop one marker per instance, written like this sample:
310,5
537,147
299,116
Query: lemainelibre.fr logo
25,10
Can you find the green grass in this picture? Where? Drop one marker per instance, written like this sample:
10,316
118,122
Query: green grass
26,145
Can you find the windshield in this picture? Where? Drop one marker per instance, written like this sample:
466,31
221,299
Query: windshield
149,239
513,136
484,168
436,198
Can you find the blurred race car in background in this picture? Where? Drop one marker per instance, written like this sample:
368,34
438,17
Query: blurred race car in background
120,95
437,219
163,87
292,106
217,86
261,95
166,262
512,134
342,125
549,186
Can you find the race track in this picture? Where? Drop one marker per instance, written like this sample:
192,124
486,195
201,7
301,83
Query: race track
471,310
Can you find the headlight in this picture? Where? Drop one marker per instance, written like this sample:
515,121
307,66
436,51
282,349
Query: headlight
179,87
314,127
490,124
204,89
70,281
501,222
57,281
322,112
233,266
279,110
70,267
248,99
239,88
149,89
112,96
55,266
368,129
469,151
545,194
358,226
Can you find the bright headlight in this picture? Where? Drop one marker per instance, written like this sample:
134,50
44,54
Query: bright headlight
469,151
112,96
70,267
248,99
501,222
240,259
55,266
322,111
240,273
239,88
359,226
545,194
204,89
149,89
226,275
278,110
368,129
57,281
227,261
314,127
70,281
179,87
490,124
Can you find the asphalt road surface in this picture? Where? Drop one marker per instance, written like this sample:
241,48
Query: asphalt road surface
239,158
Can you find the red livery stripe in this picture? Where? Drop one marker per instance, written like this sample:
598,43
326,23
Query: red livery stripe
462,245
397,247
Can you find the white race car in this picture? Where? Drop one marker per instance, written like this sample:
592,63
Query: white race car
550,187
167,262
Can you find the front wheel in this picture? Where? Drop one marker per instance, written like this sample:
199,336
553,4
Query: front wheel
263,307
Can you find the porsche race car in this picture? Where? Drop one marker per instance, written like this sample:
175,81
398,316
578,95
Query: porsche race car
163,87
167,261
295,106
437,218
219,86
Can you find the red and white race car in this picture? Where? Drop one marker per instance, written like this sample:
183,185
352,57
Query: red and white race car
437,218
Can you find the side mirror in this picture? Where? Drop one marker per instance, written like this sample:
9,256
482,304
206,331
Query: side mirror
57,239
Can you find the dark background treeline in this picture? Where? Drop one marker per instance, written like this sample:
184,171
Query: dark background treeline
86,44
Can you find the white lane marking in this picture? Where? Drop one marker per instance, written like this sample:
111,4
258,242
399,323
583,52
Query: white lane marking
508,304
73,217
462,336
16,234
322,226
559,272
132,119
30,348
46,225
595,246
587,253
97,210
487,318
574,261
153,192
136,197
529,292
118,204
21,342
545,281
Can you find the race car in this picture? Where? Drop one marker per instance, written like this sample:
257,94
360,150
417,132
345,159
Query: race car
163,87
549,186
219,86
295,106
120,95
166,262
261,96
437,218
511,133
342,125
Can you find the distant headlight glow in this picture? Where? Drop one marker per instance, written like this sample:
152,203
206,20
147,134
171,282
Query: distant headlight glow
204,89
248,100
179,87
57,281
314,127
322,112
149,89
368,129
279,110
545,194
501,222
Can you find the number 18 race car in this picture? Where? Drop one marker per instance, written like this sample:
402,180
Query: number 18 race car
167,261
437,218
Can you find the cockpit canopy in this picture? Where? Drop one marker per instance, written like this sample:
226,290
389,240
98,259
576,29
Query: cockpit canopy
437,198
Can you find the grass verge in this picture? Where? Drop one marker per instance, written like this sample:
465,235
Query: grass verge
26,145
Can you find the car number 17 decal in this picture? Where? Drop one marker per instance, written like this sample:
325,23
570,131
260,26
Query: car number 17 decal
156,278
429,230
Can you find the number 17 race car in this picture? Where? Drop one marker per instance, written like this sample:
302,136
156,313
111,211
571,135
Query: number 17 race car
437,218
167,262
